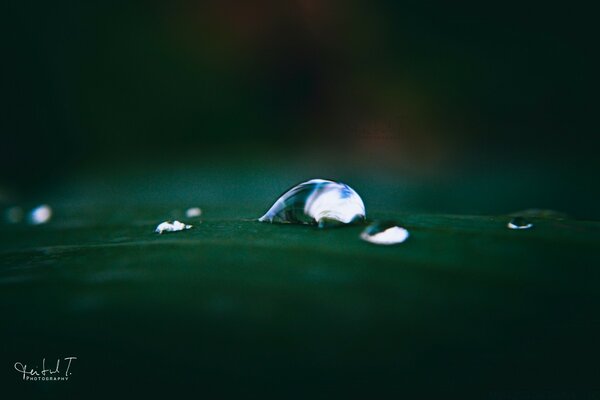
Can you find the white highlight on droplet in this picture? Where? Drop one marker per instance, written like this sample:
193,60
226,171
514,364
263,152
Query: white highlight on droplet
169,226
193,212
389,236
329,204
40,215
510,225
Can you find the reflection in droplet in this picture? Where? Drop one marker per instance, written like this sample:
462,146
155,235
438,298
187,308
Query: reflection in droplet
169,226
40,215
519,223
193,212
317,201
385,233
14,215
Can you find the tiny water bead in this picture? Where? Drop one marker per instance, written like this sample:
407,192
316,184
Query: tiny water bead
40,215
384,233
169,226
317,201
193,212
519,223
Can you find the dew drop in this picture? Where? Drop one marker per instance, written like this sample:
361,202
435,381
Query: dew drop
193,212
317,201
169,226
40,215
519,223
384,233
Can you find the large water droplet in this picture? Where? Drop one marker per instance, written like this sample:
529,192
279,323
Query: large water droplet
317,201
519,223
385,233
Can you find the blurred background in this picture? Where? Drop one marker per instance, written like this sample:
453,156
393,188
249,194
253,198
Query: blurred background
480,107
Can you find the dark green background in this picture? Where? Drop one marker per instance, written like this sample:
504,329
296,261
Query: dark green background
412,89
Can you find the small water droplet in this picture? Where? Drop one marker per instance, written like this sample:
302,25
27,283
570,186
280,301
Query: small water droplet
14,215
40,215
193,212
317,201
519,223
169,226
384,233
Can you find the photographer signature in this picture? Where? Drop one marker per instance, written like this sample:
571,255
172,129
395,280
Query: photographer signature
44,371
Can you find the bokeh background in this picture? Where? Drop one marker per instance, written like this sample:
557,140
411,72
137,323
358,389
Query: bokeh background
484,107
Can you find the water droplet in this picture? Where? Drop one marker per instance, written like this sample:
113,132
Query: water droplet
14,215
317,201
169,226
385,233
519,223
193,212
40,215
